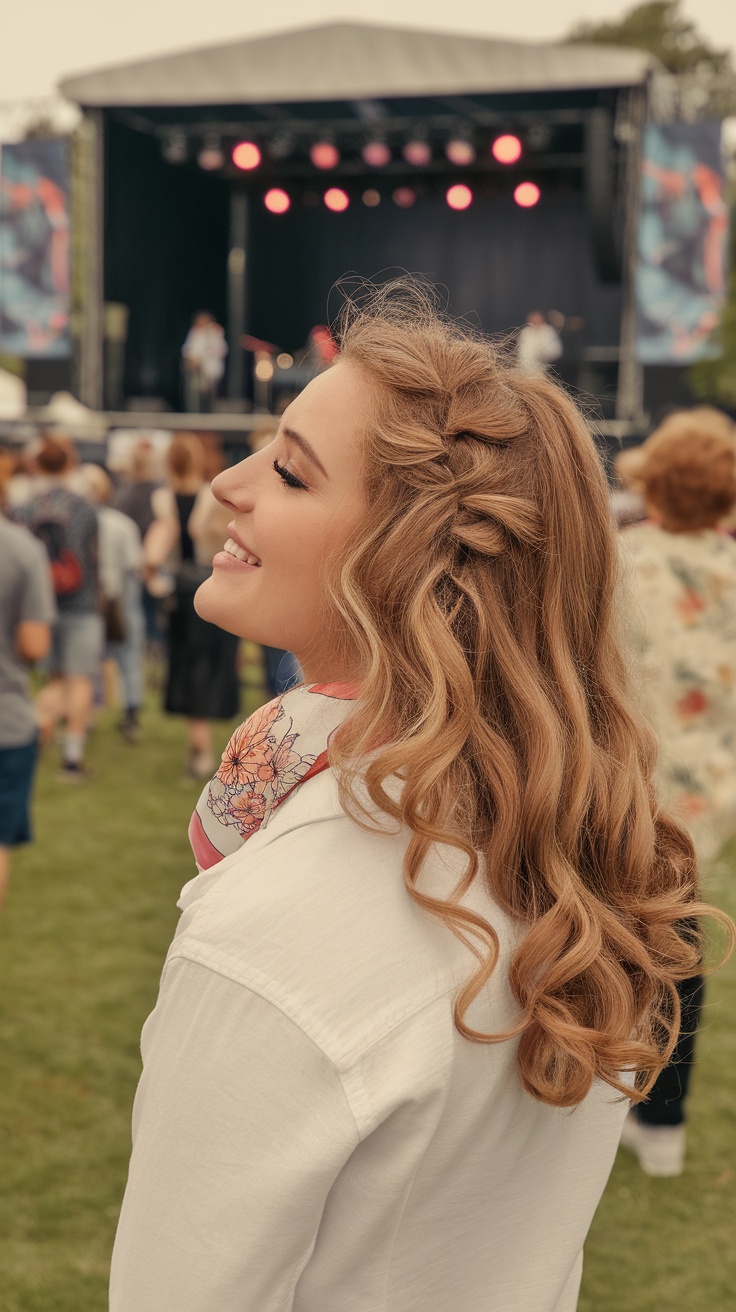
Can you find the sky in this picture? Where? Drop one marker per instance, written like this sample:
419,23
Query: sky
44,40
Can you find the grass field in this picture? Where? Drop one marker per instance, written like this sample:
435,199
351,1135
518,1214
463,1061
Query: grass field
89,918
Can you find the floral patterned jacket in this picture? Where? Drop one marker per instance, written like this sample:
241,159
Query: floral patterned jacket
682,623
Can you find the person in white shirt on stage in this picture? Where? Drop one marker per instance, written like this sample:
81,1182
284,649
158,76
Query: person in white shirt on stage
538,346
203,356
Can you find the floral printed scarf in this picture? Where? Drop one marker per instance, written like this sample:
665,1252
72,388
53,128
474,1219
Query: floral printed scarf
277,748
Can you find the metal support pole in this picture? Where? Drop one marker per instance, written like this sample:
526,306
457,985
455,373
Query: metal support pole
630,388
88,259
236,292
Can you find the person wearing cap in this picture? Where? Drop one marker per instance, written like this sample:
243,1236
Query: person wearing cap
27,609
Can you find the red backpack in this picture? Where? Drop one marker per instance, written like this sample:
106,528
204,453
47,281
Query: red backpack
66,571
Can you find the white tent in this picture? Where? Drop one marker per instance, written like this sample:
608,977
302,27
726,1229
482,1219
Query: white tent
349,61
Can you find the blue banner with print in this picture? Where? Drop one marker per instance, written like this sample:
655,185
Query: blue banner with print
682,243
34,250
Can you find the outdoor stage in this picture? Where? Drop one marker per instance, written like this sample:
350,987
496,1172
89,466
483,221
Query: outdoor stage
249,179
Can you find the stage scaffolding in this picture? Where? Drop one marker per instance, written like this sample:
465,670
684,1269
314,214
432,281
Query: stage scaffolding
366,78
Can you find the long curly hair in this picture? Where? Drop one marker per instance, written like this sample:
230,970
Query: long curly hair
478,602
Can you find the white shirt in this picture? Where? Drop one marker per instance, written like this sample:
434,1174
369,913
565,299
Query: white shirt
207,347
311,1133
120,552
538,346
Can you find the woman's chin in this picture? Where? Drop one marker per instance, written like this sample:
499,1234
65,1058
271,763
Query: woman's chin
215,608
209,607
200,600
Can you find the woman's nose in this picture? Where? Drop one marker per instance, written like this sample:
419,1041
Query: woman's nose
233,487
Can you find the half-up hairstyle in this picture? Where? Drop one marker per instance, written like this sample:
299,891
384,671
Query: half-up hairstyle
478,602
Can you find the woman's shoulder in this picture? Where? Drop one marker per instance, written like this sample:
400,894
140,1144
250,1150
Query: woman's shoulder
267,760
313,914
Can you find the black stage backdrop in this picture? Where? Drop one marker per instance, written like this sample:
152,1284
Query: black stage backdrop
166,246
494,261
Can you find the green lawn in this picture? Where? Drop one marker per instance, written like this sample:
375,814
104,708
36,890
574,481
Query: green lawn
90,914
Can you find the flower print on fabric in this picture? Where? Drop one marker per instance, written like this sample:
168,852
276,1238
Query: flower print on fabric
259,766
691,705
682,587
280,746
250,748
690,606
249,810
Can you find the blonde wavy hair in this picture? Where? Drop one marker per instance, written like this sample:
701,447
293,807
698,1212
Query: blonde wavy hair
478,603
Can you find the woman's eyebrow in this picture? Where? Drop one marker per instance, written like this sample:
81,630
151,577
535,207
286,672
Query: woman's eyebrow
306,447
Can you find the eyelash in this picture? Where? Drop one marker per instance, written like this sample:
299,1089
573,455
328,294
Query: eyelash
288,478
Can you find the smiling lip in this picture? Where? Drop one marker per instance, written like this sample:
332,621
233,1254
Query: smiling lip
241,552
223,560
235,555
236,538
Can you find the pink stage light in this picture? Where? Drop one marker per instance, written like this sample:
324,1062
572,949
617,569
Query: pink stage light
211,156
404,197
336,199
417,152
324,155
277,201
459,151
527,194
459,196
246,155
371,198
506,149
376,154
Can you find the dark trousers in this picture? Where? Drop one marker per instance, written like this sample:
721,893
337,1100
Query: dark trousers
665,1103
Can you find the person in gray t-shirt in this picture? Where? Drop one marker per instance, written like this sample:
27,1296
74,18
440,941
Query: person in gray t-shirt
27,610
67,526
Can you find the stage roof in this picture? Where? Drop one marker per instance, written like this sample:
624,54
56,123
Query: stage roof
349,61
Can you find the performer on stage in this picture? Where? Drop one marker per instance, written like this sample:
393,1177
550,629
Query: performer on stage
539,345
203,355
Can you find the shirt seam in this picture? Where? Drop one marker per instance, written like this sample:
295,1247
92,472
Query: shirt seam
271,1002
345,1066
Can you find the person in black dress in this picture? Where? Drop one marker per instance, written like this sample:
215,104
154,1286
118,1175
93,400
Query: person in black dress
202,676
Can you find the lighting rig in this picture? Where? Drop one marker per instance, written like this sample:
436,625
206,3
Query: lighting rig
341,164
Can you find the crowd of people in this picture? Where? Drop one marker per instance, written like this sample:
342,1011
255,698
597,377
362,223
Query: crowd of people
97,583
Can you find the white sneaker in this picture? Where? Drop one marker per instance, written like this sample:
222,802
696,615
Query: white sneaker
660,1149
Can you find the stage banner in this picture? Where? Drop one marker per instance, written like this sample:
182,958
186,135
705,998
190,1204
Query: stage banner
34,250
682,243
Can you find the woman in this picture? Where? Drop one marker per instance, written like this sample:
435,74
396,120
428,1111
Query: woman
202,677
120,563
134,497
380,1007
682,582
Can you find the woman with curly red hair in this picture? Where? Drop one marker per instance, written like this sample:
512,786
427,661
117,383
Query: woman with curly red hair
432,954
682,586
